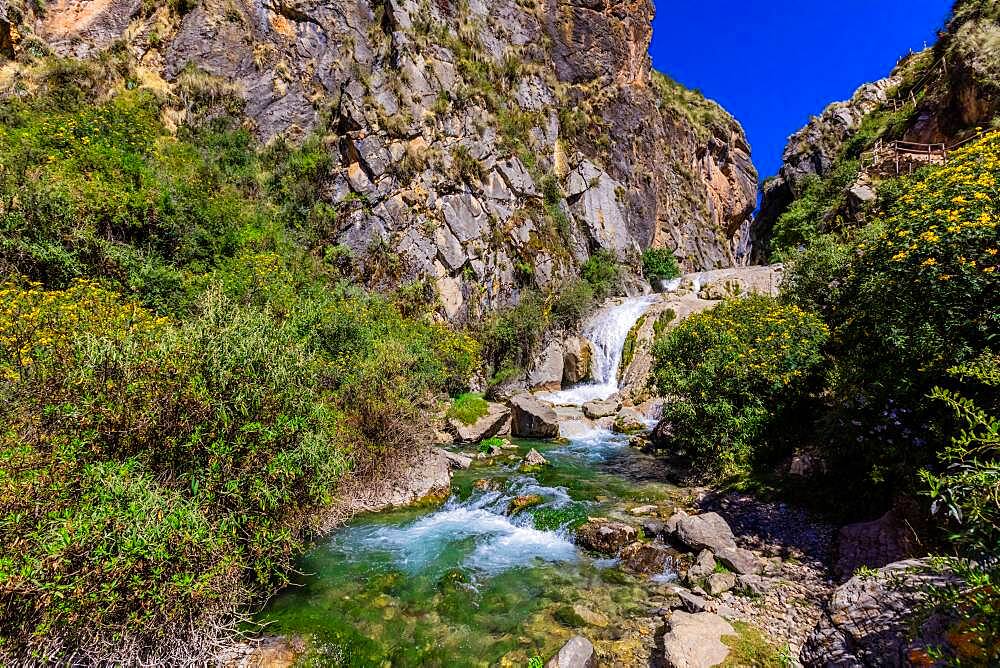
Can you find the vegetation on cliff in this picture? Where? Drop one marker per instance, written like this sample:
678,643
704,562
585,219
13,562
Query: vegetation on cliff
188,370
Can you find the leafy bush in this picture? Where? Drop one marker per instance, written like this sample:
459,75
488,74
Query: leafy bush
467,408
173,420
964,492
733,372
659,264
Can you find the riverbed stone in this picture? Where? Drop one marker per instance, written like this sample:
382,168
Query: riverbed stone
578,652
695,640
629,421
485,427
705,531
578,615
605,536
519,503
601,408
639,511
531,418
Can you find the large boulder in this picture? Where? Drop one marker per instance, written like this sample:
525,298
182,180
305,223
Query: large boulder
488,426
604,536
531,418
630,421
706,531
869,618
695,640
578,652
455,460
577,356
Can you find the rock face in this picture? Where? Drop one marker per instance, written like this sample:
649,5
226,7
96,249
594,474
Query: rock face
530,418
492,146
695,640
425,477
811,152
869,618
485,427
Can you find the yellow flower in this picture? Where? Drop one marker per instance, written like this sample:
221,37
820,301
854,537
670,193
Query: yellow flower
929,262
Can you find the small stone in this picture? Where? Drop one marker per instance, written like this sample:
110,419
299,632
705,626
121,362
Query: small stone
643,510
533,459
579,615
719,583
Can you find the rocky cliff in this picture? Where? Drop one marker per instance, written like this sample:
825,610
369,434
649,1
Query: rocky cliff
941,95
493,146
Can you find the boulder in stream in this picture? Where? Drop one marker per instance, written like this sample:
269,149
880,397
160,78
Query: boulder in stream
703,566
738,560
533,461
531,418
646,558
605,536
630,421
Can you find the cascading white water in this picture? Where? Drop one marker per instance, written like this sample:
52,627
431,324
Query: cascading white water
607,331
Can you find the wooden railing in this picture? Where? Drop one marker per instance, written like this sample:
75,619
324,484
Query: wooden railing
906,156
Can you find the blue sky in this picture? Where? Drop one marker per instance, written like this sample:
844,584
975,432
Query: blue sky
774,63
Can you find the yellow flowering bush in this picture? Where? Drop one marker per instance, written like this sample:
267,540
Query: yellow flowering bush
731,373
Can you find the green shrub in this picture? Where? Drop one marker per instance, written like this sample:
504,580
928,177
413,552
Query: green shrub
603,273
731,373
659,264
468,408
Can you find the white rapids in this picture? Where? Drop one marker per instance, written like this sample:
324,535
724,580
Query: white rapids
607,331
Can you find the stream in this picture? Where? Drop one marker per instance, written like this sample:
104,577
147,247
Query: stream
477,582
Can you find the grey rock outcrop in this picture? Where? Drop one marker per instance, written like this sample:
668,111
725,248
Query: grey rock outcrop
530,418
812,152
868,619
420,164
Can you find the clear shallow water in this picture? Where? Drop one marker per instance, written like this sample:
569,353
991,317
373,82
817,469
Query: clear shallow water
470,583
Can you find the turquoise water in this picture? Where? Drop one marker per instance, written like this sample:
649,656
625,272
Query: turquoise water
472,583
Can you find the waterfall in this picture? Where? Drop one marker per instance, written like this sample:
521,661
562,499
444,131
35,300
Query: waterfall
607,331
